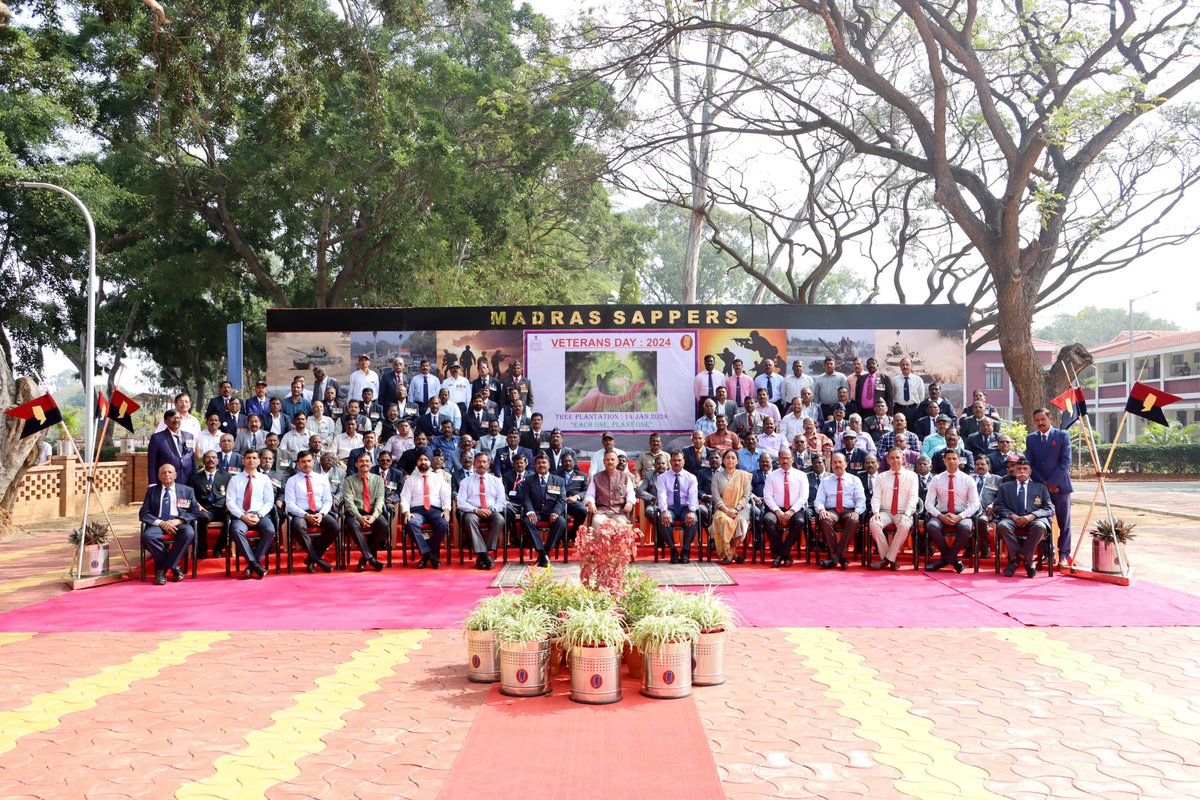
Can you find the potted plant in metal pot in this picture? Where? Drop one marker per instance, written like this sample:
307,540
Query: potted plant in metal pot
94,537
594,636
1106,557
665,641
524,637
716,619
637,600
483,649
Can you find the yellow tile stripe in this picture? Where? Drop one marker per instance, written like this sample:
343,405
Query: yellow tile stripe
16,584
13,555
927,763
10,638
271,755
46,710
1135,697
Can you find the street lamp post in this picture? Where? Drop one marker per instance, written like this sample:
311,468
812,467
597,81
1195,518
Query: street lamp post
1129,367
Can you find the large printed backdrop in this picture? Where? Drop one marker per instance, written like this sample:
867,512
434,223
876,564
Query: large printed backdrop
621,379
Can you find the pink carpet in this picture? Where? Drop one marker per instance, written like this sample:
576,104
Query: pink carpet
393,599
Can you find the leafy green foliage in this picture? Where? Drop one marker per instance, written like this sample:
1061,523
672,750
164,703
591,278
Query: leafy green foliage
1093,326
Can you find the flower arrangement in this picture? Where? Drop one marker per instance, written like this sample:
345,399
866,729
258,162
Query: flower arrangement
604,553
92,533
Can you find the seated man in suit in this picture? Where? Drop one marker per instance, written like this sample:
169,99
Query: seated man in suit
647,489
574,492
209,485
252,438
481,504
610,493
308,499
951,504
249,501
1023,509
696,457
393,480
926,425
506,458
969,424
220,404
233,421
168,508
366,512
893,502
229,460
493,441
543,501
425,500
984,441
678,501
986,484
785,495
555,452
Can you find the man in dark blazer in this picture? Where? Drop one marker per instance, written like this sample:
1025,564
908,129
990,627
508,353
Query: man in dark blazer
368,447
233,421
171,446
430,421
219,405
927,424
518,381
544,500
321,382
556,451
506,456
695,458
475,420
984,441
1048,450
390,382
169,508
1022,508
209,485
536,438
575,487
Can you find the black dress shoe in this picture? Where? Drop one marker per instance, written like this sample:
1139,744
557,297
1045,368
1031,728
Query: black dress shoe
424,562
324,565
985,552
1030,571
787,561
310,567
489,561
778,562
959,567
480,561
1011,569
248,572
435,563
934,566
160,577
175,574
685,559
543,560
894,566
842,564
828,563
739,559
259,571
376,564
362,564
674,558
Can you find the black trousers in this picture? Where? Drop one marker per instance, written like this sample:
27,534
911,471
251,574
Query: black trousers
327,536
781,545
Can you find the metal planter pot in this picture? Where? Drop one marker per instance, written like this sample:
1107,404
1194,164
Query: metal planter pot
708,659
95,561
596,675
667,673
483,657
525,668
1105,557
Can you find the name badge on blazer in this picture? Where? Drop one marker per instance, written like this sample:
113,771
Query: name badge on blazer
391,486
232,471
375,416
524,429
553,489
513,493
183,503
276,483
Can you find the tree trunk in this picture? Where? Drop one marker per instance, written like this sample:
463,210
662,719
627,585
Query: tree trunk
691,261
15,453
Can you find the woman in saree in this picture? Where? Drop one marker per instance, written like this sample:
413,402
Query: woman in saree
731,518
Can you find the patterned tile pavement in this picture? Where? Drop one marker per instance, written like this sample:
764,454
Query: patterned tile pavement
807,712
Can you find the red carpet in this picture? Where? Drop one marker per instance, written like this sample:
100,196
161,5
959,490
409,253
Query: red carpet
635,748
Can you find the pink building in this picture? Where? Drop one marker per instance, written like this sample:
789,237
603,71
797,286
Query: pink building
1169,360
985,370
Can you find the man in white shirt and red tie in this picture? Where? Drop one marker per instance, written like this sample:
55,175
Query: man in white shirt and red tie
678,501
951,502
249,499
425,500
481,503
785,494
308,499
841,501
704,385
893,502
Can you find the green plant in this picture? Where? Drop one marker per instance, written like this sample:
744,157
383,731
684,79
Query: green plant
525,625
1117,530
655,630
670,602
710,611
540,589
488,612
1173,434
93,533
640,593
591,626
1016,430
1171,458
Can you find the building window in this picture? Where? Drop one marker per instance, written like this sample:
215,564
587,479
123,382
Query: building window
993,378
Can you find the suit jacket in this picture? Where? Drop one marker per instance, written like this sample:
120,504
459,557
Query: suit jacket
215,499
968,425
524,388
217,406
231,424
152,504
924,427
393,482
231,464
534,442
998,462
389,387
284,420
552,501
492,384
647,491
576,485
694,464
1038,500
242,443
938,460
1050,462
978,447
431,427
556,459
161,450
502,464
352,461
478,429
319,388
830,429
514,493
987,492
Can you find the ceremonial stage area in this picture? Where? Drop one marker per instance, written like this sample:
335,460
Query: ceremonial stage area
841,684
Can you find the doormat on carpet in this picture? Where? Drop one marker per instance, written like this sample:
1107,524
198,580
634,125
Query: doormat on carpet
664,573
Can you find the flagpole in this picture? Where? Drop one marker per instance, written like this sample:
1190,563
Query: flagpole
99,500
1101,487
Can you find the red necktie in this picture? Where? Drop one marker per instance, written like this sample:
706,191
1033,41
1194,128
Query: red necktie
950,502
248,497
312,498
896,495
482,493
428,505
366,495
839,495
787,492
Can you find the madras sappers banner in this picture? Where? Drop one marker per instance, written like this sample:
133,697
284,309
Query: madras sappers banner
1148,402
121,408
39,414
1073,405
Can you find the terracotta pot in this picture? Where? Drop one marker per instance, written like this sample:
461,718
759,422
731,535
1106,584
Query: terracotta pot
633,657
